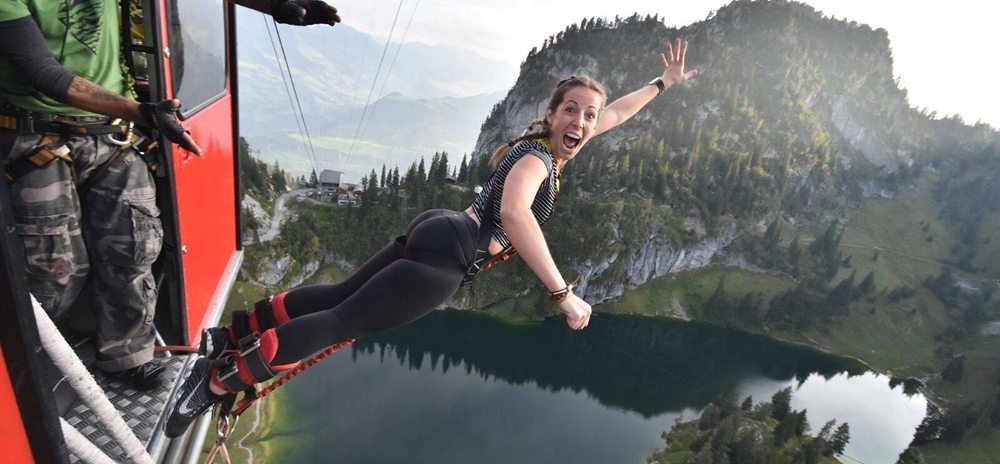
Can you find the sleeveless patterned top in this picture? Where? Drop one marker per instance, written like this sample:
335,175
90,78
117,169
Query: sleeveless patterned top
541,207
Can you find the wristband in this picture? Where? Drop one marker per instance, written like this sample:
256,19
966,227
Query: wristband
559,295
658,82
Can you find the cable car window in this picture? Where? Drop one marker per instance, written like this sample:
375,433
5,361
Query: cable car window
197,52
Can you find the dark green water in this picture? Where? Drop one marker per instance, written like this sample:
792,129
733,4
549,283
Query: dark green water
460,387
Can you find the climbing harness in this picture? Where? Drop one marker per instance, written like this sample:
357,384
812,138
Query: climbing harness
56,129
229,410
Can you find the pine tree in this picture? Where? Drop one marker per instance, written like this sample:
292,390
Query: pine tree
841,437
772,237
782,403
801,423
313,180
843,293
463,171
867,286
955,370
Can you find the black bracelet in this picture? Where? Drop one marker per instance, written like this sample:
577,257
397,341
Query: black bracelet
658,82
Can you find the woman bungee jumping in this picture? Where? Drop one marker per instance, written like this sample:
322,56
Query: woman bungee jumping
440,251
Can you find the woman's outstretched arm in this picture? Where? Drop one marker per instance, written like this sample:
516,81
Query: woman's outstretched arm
526,236
625,107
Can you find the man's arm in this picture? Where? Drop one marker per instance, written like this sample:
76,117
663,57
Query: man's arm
295,12
91,97
33,60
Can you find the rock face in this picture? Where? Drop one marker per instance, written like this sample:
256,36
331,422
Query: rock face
860,137
257,211
656,258
278,270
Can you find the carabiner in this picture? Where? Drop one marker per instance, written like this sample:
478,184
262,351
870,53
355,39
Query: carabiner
128,134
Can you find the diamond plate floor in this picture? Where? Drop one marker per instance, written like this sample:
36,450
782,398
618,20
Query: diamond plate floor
141,410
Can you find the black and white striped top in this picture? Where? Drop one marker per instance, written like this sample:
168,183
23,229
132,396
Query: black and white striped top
545,198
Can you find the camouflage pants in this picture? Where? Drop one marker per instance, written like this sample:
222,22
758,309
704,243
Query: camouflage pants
111,237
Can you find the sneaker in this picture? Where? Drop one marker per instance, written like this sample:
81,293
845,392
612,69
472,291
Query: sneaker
145,377
214,342
193,399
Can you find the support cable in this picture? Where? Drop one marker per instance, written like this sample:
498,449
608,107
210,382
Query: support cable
364,51
291,80
281,70
389,72
374,81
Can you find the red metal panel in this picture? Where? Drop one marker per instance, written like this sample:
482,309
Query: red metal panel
205,187
206,207
13,439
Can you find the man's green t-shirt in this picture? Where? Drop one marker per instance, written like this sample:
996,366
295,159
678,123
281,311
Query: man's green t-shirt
84,39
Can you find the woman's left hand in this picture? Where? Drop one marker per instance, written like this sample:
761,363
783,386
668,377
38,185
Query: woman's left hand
673,64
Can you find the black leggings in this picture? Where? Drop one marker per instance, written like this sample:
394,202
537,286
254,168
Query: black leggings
410,277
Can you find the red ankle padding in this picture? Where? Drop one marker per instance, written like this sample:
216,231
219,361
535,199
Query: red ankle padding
278,307
278,313
254,325
232,336
267,350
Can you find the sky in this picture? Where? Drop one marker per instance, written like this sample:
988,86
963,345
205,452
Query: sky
941,50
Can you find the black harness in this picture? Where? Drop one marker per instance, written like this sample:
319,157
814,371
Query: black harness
57,129
483,240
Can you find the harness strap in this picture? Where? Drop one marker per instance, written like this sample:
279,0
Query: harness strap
482,240
251,364
30,122
507,254
49,149
8,122
231,377
241,324
264,313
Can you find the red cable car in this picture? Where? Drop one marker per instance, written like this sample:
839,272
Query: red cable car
183,49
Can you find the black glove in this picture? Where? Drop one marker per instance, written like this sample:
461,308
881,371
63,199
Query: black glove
162,118
304,12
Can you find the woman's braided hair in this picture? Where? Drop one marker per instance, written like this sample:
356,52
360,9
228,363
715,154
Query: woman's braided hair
543,130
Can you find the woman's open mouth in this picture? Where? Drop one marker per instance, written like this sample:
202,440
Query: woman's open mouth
570,141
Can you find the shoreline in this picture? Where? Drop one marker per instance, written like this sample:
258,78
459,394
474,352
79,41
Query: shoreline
807,344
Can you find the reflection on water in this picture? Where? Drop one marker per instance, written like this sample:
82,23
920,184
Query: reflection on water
462,387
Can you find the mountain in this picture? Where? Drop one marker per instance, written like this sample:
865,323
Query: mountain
397,132
333,69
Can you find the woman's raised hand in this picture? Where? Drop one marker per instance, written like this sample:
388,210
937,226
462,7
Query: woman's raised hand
673,64
576,310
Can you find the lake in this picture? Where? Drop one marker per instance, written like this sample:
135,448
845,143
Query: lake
464,387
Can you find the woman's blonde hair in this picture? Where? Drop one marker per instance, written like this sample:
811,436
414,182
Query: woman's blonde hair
558,95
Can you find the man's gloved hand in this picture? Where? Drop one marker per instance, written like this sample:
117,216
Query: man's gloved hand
304,12
162,117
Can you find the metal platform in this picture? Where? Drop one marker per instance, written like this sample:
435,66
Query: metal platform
141,410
